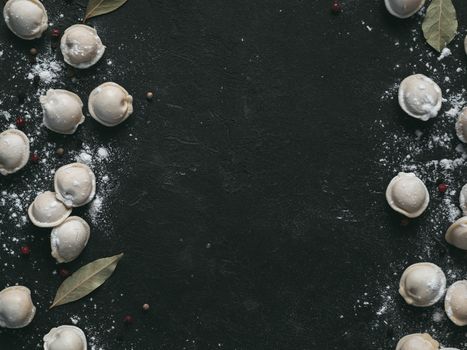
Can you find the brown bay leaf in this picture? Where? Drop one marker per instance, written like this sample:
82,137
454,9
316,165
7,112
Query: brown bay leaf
102,7
440,24
85,280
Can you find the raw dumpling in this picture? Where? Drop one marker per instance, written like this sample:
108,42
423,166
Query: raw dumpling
457,233
65,338
461,125
26,18
110,104
455,303
403,8
47,210
408,195
14,151
417,341
81,46
63,111
75,184
420,97
463,199
422,284
16,307
68,239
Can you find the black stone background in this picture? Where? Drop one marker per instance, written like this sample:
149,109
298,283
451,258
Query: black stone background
273,135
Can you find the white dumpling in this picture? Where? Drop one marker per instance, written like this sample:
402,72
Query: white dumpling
81,46
65,338
461,125
422,284
16,307
75,184
420,97
403,8
455,303
62,111
465,44
417,341
68,239
463,199
110,104
408,195
26,18
47,210
14,151
457,233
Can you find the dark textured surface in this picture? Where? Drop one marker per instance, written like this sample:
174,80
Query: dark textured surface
249,209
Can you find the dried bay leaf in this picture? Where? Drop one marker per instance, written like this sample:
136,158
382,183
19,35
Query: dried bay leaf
85,280
440,24
101,7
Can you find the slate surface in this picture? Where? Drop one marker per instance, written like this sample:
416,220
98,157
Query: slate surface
232,205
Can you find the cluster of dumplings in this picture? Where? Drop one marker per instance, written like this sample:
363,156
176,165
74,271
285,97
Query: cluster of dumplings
17,311
109,104
74,184
424,284
421,98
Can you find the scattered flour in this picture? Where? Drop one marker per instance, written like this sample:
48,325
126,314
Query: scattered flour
18,191
47,68
433,152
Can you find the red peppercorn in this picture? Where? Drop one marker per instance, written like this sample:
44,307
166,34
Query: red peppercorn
20,122
128,319
55,33
336,7
442,187
25,250
34,158
64,273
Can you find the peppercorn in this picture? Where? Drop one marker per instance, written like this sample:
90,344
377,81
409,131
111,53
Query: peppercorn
25,250
442,187
35,158
20,122
336,7
60,152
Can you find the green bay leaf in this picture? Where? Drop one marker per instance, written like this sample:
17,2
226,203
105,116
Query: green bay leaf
101,7
440,24
85,280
